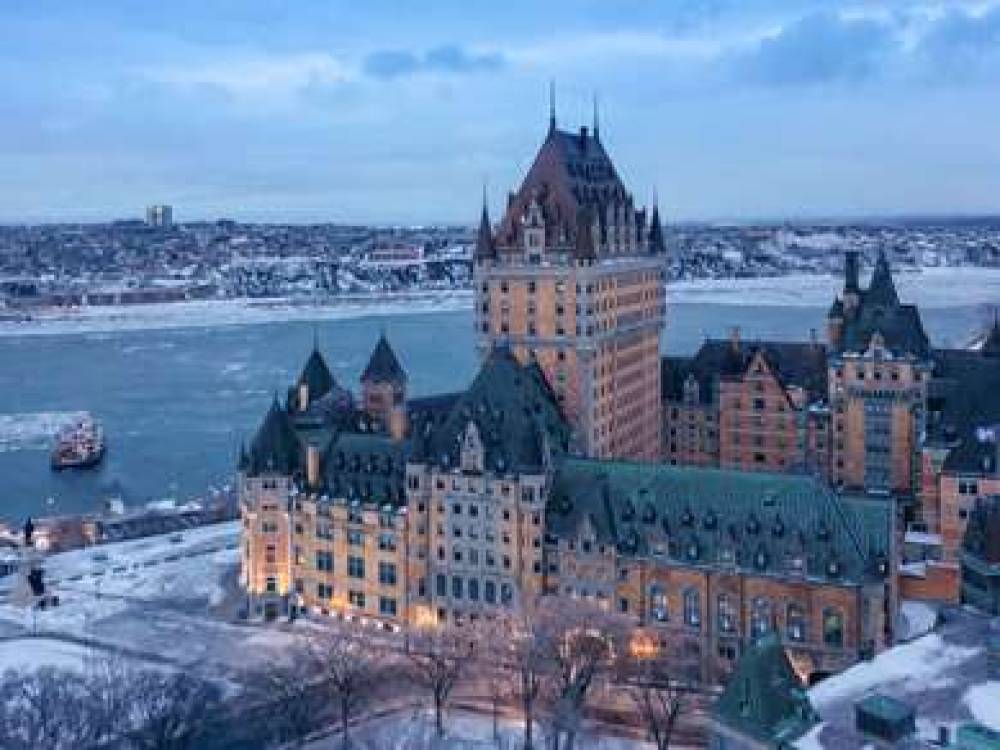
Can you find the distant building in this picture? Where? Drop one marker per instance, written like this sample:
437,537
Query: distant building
160,215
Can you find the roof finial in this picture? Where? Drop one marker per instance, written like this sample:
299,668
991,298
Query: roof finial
597,122
552,105
315,337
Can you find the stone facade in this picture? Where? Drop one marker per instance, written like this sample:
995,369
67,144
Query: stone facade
572,278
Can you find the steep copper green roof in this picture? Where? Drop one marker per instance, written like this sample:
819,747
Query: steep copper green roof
383,367
766,524
275,448
369,467
317,376
519,421
764,698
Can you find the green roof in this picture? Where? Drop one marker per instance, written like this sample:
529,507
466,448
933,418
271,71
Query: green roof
276,448
977,737
383,367
317,376
367,466
764,698
761,522
519,421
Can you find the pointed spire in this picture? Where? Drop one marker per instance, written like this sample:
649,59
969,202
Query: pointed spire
657,245
315,337
597,120
552,105
882,290
383,367
484,239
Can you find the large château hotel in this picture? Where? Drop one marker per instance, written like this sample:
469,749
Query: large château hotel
753,488
573,280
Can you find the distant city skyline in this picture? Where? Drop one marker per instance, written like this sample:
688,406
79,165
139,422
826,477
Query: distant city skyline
727,109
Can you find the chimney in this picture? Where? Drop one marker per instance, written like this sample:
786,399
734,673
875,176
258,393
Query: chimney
398,422
312,466
851,271
813,338
734,339
583,137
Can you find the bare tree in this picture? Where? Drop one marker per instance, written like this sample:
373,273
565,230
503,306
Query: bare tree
171,709
291,704
438,660
660,699
523,648
580,642
349,673
46,708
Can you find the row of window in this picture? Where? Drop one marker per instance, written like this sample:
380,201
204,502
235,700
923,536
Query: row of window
762,616
470,588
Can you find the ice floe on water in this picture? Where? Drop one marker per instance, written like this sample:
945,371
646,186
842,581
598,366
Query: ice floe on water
32,431
930,287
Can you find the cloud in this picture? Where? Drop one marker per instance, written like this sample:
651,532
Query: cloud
820,48
449,58
961,43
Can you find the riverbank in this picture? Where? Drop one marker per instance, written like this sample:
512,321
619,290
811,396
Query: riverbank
929,288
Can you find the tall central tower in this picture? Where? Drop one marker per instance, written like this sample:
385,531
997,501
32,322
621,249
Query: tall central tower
572,279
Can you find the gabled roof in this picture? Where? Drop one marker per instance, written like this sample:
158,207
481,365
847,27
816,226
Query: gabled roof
383,367
317,376
764,698
519,421
275,448
802,364
575,182
880,312
758,522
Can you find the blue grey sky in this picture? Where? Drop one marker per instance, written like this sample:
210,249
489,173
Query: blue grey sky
390,112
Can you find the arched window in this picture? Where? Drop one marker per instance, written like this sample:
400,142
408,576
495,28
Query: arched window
692,608
726,614
795,622
760,617
833,628
657,603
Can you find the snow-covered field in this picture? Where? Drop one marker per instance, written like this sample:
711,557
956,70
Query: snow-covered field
163,600
942,675
932,287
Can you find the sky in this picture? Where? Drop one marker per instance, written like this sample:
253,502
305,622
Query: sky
400,111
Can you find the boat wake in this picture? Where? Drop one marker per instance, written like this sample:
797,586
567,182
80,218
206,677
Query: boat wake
33,431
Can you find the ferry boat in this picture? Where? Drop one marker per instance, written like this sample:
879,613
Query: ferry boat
79,445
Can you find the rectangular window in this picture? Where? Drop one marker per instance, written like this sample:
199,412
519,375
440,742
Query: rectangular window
490,592
356,567
456,587
474,589
324,560
357,599
441,585
387,606
387,573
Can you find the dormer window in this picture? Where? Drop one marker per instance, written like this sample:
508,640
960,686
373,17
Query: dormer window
472,449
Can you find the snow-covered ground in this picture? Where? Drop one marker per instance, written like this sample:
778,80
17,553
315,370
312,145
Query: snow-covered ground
932,287
162,600
942,675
